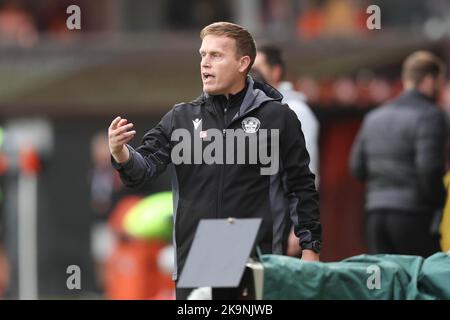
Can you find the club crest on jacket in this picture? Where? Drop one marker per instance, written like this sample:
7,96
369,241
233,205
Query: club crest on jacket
250,125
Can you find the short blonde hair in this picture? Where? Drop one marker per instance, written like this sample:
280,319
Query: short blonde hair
420,64
245,45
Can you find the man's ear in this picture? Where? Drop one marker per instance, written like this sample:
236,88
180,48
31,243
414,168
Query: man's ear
244,63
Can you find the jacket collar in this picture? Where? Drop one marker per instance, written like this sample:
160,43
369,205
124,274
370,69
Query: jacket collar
257,94
415,94
233,100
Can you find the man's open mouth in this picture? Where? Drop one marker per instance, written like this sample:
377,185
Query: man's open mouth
207,76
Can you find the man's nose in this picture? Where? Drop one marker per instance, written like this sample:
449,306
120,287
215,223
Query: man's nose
205,62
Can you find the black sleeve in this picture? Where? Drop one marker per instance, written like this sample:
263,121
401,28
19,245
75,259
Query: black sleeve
150,158
431,136
300,183
358,157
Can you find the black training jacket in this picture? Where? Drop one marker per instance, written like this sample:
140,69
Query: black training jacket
232,189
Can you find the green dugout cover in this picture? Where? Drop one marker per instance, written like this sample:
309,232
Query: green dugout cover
363,277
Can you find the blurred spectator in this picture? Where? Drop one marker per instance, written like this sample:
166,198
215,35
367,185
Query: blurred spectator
270,63
105,186
399,151
17,26
104,181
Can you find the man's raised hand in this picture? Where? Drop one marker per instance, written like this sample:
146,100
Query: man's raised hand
118,136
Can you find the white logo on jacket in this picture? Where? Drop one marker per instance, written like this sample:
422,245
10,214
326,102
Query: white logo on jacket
250,125
196,123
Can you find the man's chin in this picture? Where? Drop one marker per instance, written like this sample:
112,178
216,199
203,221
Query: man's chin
210,91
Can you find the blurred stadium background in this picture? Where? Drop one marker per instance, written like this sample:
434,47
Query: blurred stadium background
136,59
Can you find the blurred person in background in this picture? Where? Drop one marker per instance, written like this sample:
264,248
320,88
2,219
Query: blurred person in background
105,182
105,189
270,64
230,100
399,152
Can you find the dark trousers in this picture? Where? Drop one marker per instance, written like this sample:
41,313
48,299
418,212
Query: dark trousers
399,232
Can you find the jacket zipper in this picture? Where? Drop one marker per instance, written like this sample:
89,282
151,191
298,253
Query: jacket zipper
222,169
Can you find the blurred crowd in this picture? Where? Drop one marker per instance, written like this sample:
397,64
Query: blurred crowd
361,92
22,22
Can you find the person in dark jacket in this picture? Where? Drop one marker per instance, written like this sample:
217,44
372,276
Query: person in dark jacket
399,152
235,180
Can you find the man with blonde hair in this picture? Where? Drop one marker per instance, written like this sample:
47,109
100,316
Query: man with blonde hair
230,181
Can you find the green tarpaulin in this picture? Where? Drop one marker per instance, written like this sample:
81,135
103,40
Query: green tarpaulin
360,277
